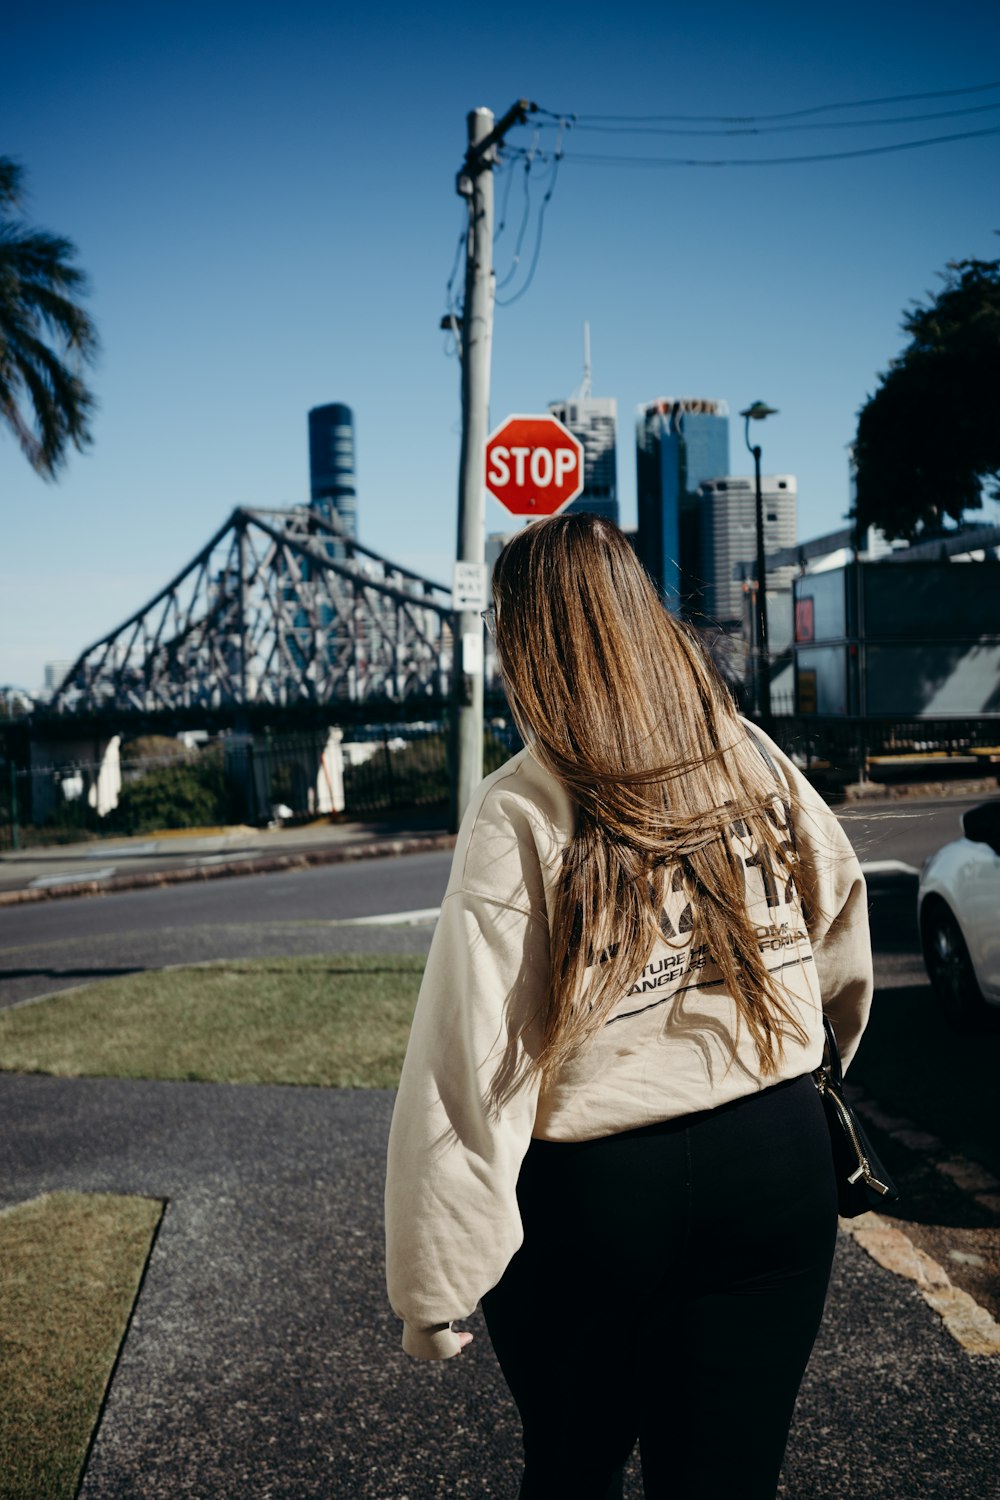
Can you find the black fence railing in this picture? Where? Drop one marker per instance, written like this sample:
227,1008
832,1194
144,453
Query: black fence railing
851,748
289,777
285,777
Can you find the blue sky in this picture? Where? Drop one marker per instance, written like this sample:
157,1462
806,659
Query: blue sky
264,200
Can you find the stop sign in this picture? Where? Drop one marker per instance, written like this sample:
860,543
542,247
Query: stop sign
534,465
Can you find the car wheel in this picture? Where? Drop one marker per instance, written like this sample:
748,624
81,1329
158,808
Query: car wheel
949,967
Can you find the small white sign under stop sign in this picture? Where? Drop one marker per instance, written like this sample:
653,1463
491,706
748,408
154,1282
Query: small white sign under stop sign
468,587
472,654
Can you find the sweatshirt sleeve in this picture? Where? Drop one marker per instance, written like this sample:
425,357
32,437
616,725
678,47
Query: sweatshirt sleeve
835,898
452,1221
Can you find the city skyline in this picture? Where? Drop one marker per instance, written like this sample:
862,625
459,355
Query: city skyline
260,246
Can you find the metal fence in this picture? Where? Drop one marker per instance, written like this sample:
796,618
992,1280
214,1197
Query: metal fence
850,749
276,777
292,777
411,766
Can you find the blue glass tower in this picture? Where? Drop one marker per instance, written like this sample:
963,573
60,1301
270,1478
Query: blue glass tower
679,444
333,495
332,484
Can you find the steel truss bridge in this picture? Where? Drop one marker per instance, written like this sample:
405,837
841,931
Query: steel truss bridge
280,611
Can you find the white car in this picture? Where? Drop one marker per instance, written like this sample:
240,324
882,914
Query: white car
958,908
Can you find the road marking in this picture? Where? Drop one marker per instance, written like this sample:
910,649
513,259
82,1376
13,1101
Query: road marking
394,919
967,1175
887,867
968,1323
48,880
966,1258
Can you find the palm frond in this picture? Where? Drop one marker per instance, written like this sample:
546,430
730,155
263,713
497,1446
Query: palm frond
61,317
38,256
39,288
61,406
11,178
27,441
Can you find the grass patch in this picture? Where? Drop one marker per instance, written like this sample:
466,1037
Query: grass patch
72,1264
339,1022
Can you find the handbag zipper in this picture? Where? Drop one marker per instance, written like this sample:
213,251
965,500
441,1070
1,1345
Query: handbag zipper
864,1167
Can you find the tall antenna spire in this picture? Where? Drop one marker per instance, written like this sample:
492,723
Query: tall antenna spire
584,389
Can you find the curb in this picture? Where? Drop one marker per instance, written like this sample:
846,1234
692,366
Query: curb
970,1324
272,865
887,791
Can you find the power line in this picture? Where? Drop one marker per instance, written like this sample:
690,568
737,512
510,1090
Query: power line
529,156
557,157
595,159
502,225
453,312
792,114
729,130
734,125
449,298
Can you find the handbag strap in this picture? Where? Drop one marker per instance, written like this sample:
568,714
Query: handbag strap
766,756
834,1068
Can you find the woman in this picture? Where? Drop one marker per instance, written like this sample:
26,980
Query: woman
606,1128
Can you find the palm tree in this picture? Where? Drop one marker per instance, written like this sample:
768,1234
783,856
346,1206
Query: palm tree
46,338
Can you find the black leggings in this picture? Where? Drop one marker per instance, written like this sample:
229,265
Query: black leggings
669,1289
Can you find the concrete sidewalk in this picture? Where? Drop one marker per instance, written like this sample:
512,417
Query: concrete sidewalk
263,1363
97,866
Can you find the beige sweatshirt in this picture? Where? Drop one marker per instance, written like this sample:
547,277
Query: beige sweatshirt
452,1222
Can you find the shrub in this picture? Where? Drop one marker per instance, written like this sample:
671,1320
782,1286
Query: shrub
184,796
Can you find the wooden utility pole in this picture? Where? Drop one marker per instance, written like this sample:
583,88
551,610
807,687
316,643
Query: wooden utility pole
475,184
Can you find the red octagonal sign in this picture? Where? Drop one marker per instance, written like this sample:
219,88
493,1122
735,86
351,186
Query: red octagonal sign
534,465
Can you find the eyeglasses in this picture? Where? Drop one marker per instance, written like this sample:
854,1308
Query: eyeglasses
489,619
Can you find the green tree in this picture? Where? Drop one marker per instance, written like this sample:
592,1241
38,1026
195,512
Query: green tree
928,440
46,338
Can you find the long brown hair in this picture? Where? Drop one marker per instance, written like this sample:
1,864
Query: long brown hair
616,698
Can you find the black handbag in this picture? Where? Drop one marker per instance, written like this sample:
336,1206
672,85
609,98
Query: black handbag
862,1181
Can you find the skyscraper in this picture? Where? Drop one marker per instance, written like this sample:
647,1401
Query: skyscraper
679,443
593,420
331,466
727,526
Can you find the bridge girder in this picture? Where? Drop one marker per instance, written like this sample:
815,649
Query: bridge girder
280,610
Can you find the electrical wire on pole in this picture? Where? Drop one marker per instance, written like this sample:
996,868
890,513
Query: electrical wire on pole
475,184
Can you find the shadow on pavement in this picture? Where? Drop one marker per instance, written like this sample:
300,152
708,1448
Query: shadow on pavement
59,975
917,1067
892,907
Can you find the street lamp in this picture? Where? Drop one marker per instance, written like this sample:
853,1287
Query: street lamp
756,413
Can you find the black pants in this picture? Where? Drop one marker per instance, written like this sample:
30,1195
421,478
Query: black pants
669,1289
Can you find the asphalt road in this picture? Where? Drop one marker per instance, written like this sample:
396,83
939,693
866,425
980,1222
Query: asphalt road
53,945
905,830
57,944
